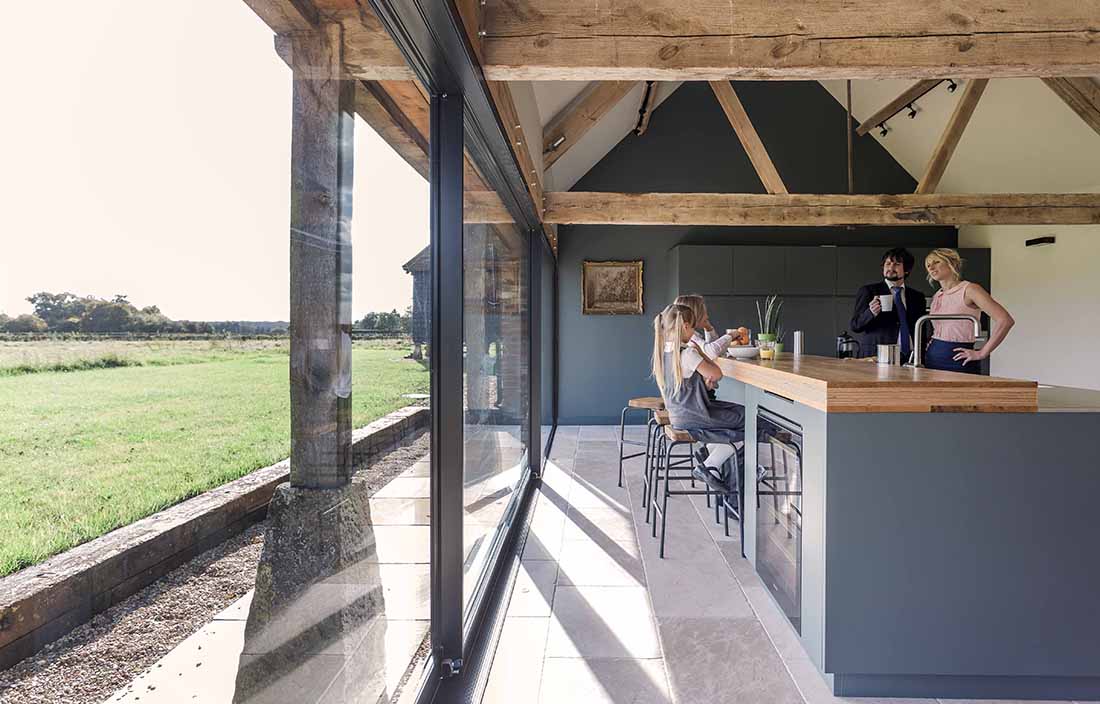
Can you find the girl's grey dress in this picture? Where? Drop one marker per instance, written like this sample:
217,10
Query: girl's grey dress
705,420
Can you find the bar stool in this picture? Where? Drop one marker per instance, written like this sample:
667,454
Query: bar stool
670,439
657,428
648,405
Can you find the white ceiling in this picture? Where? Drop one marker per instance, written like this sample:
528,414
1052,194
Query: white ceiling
1022,137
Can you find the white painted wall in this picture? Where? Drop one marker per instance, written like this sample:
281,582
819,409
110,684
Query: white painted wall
1022,138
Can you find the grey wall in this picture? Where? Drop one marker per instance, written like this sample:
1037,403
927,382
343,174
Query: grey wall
690,147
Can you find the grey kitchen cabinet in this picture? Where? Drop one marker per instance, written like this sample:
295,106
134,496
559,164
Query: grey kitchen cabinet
759,270
810,271
813,315
856,267
705,269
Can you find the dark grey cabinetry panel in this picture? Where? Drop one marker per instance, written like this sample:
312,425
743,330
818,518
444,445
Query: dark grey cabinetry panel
976,267
813,315
759,270
705,269
857,266
810,271
732,311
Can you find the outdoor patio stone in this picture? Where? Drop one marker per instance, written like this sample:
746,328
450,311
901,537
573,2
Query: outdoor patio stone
516,673
586,562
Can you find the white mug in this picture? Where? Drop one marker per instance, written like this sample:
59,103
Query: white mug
887,302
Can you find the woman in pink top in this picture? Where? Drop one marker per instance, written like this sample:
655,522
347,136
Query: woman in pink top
952,345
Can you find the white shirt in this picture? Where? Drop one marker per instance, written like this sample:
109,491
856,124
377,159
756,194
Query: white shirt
690,359
715,347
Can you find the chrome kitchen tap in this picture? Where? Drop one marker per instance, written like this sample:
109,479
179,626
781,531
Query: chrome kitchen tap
918,347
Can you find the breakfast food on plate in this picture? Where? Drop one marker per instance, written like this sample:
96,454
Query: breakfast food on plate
740,336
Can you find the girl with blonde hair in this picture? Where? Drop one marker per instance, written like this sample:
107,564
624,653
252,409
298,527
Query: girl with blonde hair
683,372
710,342
952,345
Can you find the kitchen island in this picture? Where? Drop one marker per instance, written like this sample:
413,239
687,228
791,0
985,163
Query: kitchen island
927,534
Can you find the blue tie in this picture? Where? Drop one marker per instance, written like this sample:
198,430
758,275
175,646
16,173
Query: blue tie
906,343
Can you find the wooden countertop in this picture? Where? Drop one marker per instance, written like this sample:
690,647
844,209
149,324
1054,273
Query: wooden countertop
861,386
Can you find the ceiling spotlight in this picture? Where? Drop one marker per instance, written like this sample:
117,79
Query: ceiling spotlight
882,128
951,86
912,111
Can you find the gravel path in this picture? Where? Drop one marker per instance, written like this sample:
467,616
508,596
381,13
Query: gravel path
101,656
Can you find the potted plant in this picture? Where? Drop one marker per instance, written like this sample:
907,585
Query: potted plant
768,319
780,336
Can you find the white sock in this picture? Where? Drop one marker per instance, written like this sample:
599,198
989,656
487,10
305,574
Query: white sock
719,453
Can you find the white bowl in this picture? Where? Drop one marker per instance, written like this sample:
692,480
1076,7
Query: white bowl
742,351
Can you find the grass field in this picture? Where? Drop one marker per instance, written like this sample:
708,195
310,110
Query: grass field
84,452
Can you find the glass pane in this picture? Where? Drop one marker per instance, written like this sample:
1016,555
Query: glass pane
146,386
495,268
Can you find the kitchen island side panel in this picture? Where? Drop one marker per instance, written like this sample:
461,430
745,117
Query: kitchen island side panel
962,546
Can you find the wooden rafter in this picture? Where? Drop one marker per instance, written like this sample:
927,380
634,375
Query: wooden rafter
750,140
891,108
789,39
1082,95
513,127
951,135
587,208
581,114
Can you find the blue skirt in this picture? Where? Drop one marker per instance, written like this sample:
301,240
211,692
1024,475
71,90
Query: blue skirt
940,355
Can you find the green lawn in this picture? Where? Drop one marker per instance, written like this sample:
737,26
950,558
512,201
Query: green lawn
84,452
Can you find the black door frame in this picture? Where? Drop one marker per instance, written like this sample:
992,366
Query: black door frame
432,39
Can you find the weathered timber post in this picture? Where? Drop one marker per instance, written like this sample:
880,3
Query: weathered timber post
316,626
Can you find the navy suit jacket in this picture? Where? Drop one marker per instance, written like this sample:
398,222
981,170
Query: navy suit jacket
882,329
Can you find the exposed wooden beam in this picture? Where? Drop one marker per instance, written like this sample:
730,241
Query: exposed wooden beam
521,143
484,207
951,135
789,39
286,16
1082,95
580,115
585,208
750,140
891,108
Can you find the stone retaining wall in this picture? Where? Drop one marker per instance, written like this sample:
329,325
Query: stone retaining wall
44,602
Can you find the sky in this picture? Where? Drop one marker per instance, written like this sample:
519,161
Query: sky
145,150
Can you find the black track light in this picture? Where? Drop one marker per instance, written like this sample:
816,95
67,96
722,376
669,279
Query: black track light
882,128
951,86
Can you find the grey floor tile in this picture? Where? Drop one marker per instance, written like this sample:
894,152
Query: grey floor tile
402,544
597,681
516,672
406,488
695,589
599,523
602,622
608,564
752,671
534,589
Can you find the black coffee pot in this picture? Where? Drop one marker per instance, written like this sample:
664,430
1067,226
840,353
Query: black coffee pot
846,346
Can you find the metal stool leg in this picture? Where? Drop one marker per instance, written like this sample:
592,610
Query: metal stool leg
622,433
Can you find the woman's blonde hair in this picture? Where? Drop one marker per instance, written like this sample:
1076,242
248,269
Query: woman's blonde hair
695,302
666,328
948,257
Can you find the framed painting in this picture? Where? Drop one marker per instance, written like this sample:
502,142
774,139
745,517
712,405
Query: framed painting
611,288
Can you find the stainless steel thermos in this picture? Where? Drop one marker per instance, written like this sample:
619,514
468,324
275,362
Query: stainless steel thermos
797,342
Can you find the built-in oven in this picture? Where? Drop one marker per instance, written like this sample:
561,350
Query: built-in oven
779,510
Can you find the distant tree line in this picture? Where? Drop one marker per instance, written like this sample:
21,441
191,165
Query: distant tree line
69,313
387,322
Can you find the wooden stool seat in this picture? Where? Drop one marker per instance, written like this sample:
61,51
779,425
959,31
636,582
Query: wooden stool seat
651,403
661,417
675,435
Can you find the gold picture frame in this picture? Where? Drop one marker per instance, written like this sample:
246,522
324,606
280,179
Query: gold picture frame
611,288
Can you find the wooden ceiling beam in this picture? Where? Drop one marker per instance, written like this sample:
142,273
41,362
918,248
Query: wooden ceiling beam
1082,95
949,140
891,108
787,39
646,111
581,114
756,209
286,16
750,140
521,144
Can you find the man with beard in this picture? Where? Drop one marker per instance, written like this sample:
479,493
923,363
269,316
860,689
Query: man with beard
878,324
